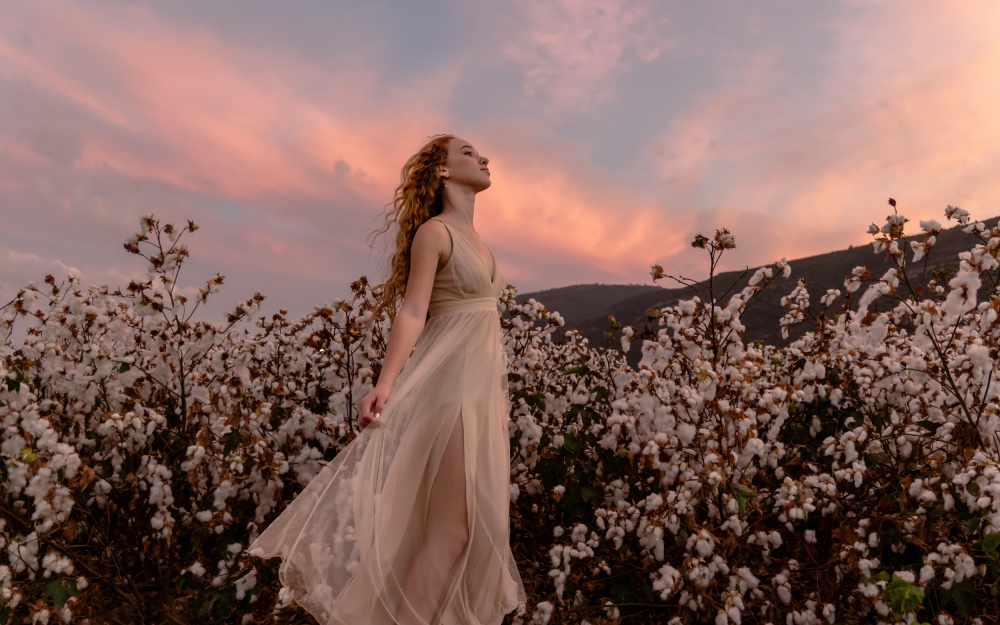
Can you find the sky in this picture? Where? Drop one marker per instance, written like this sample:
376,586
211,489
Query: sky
616,131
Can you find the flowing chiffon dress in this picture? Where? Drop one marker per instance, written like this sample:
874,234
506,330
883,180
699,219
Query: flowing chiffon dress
410,521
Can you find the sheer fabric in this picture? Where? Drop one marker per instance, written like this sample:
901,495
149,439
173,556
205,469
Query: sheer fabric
409,523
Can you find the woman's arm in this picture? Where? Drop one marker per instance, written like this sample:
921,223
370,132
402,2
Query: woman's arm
431,244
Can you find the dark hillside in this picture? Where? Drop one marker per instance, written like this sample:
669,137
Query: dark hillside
581,302
586,307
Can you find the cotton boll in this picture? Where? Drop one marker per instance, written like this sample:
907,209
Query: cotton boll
543,613
785,594
245,583
514,491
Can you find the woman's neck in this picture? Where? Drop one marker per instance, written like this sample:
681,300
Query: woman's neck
460,206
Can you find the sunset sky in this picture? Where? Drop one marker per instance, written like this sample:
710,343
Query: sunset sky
616,130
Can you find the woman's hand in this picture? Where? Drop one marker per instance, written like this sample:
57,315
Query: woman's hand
372,404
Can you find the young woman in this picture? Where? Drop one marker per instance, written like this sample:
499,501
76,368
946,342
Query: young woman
409,524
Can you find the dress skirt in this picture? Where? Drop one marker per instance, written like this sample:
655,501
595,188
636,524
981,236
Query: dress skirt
409,523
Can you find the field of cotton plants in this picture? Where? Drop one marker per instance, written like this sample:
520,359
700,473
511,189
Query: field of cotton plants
853,476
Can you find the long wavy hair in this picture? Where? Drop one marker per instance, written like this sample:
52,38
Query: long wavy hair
417,198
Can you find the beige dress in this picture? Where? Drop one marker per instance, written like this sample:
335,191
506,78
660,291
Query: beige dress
409,523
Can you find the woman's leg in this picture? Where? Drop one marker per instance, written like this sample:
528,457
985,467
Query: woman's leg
446,536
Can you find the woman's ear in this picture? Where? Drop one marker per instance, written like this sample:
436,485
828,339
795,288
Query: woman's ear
442,172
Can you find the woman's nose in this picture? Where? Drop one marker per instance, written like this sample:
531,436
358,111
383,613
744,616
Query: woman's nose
485,160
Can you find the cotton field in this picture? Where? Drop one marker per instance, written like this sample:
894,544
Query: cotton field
853,476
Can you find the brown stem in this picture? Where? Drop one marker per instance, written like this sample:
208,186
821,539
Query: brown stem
55,544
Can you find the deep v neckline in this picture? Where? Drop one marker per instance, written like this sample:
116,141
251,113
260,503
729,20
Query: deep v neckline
482,262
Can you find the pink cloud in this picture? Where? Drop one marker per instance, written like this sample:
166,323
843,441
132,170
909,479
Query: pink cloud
807,171
550,210
571,49
192,119
296,156
215,117
222,120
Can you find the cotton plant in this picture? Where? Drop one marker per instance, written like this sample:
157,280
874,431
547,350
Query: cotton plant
860,389
140,438
850,476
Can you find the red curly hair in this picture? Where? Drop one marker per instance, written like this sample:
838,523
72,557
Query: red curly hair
417,198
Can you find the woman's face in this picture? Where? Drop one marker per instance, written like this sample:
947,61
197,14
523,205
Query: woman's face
466,166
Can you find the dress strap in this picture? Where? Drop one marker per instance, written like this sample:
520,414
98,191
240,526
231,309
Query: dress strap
446,226
451,236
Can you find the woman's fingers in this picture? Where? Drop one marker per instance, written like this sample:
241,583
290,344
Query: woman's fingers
370,408
367,404
364,408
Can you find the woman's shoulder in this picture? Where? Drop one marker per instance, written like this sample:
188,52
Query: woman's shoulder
433,227
435,232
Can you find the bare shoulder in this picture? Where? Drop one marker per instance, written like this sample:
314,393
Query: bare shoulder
431,239
432,225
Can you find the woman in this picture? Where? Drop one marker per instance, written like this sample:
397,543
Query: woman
409,524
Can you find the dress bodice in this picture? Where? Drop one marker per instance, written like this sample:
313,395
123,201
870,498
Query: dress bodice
465,282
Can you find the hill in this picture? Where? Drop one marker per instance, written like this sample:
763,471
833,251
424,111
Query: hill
586,307
583,304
